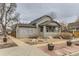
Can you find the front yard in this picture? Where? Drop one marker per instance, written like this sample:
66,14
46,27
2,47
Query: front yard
33,41
60,49
7,44
60,46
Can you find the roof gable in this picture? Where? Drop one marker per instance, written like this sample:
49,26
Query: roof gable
39,19
74,24
50,23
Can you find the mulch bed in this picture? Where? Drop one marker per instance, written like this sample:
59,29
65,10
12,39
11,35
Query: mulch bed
60,50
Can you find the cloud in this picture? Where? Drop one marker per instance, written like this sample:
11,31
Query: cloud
31,11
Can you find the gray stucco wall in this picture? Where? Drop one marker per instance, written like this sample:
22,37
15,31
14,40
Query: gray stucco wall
26,32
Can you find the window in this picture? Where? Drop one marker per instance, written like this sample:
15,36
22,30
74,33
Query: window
50,28
41,29
77,29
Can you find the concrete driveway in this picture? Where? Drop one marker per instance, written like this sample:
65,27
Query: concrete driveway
22,51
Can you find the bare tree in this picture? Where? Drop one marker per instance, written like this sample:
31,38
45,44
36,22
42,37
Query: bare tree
63,26
77,20
7,17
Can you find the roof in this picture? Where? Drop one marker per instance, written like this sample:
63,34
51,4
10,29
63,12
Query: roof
75,24
36,20
26,25
32,24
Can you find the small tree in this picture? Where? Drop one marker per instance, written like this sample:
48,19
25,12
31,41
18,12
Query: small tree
7,17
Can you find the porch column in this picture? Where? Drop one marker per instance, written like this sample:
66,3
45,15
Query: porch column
44,30
38,31
60,30
75,29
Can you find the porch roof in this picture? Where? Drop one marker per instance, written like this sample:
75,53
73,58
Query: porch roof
50,23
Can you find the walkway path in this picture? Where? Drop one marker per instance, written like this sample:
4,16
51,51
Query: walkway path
76,39
17,41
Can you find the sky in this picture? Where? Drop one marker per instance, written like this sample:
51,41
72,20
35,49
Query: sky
63,12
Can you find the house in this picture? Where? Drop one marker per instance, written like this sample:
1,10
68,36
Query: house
42,27
74,28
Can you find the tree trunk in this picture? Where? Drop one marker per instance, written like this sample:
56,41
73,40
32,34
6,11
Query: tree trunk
4,34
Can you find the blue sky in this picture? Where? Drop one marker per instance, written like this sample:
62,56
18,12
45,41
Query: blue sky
64,12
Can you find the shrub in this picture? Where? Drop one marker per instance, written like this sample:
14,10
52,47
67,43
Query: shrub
66,35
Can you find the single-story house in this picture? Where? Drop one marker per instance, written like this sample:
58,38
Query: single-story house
42,27
74,28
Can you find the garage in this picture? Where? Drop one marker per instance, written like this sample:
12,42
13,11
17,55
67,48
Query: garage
26,31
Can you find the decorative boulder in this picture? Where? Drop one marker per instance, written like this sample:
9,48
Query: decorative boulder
4,39
69,43
50,47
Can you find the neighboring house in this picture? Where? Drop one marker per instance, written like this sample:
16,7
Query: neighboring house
74,28
42,27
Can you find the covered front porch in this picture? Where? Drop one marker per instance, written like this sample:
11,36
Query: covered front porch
49,29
